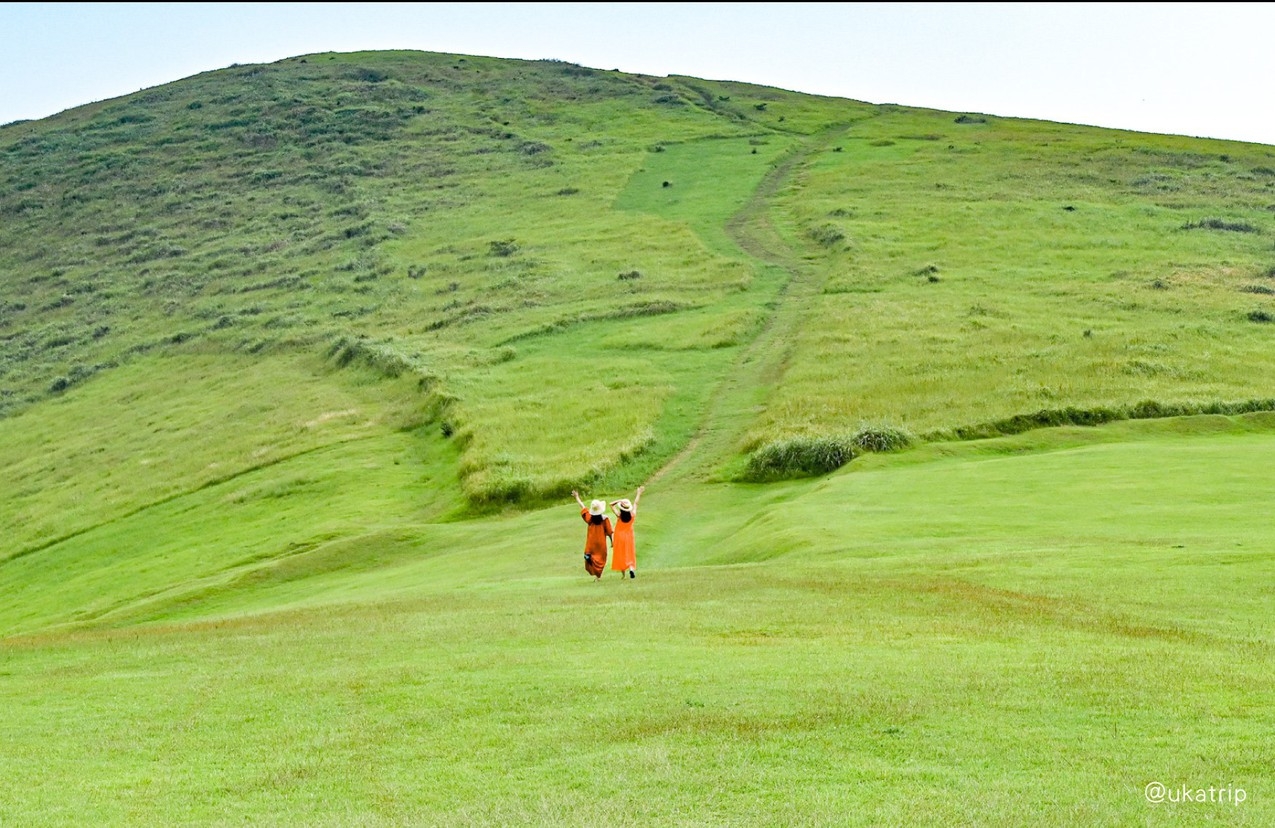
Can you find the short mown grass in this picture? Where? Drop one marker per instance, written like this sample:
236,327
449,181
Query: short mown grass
918,641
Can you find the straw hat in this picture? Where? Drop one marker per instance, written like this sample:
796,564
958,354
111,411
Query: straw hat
597,507
622,506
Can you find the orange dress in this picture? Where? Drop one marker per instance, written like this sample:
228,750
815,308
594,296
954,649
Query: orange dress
623,548
595,544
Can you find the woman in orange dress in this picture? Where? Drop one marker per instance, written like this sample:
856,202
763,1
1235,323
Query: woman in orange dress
595,539
623,548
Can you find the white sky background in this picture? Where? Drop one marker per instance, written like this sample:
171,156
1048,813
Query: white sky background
1201,69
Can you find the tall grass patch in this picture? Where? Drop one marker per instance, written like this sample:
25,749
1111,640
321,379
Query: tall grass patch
542,425
1048,291
799,457
162,427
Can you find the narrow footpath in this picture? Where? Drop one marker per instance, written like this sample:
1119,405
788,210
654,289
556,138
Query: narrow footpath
742,393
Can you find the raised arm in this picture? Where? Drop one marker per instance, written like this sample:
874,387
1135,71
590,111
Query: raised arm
576,495
637,497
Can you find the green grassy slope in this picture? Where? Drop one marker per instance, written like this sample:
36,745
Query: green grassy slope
447,212
457,214
986,270
301,361
1024,630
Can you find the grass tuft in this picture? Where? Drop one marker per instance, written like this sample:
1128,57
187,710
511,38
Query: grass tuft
799,457
882,438
1222,224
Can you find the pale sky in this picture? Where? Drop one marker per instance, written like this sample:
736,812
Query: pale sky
1201,69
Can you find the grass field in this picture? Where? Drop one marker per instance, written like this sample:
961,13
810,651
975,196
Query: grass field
301,362
1022,630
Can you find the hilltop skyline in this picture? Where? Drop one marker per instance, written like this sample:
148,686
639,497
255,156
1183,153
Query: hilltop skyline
1173,68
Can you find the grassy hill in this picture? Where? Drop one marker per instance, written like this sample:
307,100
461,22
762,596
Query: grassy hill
301,361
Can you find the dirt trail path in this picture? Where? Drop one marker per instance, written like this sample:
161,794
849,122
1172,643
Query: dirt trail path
742,392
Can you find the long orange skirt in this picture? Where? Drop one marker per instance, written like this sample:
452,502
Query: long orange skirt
623,547
595,544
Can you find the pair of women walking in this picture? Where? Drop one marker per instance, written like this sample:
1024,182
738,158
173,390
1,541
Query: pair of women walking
623,546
